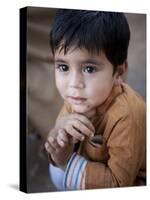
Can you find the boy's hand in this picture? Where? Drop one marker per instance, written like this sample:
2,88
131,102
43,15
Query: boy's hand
76,125
67,131
59,149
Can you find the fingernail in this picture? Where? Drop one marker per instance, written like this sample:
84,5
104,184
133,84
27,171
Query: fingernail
46,145
82,138
51,139
62,144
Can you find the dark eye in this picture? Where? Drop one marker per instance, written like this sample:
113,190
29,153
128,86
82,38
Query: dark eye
63,68
89,69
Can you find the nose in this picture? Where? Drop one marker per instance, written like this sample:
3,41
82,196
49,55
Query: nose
77,81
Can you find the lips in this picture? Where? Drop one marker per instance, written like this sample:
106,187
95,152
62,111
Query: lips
77,100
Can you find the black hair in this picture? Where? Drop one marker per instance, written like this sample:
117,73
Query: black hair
95,31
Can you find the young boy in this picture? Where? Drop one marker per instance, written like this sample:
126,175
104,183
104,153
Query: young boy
99,139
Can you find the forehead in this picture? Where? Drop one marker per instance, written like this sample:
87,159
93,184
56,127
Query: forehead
79,54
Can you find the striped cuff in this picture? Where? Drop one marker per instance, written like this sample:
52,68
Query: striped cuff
74,178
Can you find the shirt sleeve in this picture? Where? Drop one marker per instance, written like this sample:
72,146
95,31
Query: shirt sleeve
74,177
126,148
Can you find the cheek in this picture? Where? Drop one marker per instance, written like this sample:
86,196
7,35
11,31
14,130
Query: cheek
100,89
59,83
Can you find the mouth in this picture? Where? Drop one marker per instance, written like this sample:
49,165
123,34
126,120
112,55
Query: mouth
77,100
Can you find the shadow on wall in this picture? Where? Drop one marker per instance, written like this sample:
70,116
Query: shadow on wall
44,101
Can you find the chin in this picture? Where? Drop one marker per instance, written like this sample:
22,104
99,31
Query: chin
80,109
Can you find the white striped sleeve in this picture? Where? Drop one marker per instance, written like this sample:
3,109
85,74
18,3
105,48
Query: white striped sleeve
74,177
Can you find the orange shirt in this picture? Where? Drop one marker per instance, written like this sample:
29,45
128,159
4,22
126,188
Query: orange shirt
121,158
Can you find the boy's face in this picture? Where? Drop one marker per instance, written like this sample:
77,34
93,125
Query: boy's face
83,80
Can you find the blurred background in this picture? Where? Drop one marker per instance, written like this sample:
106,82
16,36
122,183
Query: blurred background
43,100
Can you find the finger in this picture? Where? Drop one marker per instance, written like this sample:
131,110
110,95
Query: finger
46,145
61,142
53,143
63,135
82,128
85,121
49,148
74,133
73,140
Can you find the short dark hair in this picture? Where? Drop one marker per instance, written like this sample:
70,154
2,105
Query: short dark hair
93,30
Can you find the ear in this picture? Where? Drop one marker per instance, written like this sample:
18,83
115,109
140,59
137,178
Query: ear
122,69
120,73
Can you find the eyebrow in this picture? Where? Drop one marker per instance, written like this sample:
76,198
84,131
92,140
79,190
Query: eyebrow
91,61
60,60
